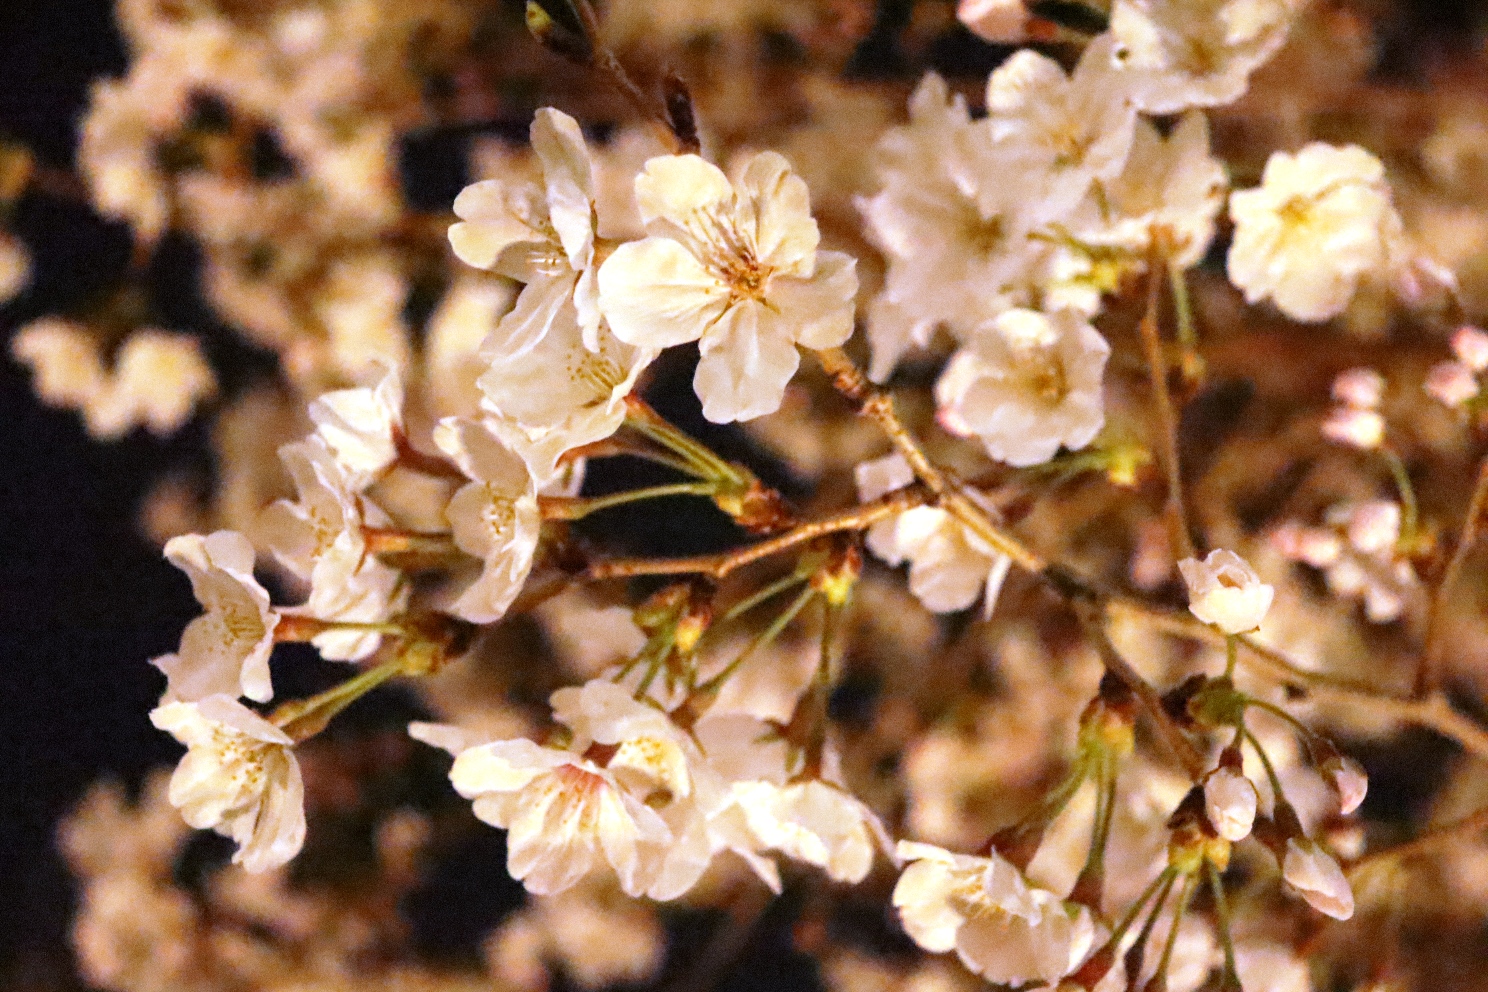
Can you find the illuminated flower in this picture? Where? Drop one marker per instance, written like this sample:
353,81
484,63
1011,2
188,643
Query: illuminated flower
560,394
1027,384
1225,591
1178,54
1321,221
1230,802
734,266
239,777
495,517
225,650
1064,132
952,217
320,539
1316,877
1002,928
544,238
362,426
949,565
1172,185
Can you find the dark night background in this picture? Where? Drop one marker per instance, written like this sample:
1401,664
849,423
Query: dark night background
84,600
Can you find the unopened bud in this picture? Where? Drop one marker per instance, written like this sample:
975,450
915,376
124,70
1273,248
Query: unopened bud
1349,780
835,580
573,43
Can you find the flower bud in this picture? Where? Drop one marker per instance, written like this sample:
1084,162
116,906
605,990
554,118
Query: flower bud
1362,429
1452,384
1361,388
1316,877
1230,803
1349,780
1470,345
1223,590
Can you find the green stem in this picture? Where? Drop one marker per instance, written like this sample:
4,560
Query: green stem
558,508
305,718
1232,655
768,592
1188,337
1279,796
766,636
1161,975
1277,711
641,417
1409,511
1222,909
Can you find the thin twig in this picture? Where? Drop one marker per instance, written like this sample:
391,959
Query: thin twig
719,566
1428,674
1167,418
1183,749
1424,844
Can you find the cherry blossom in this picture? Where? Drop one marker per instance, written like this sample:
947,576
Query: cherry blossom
1027,384
1316,877
544,238
949,565
1225,591
239,777
734,266
495,517
361,426
1178,54
225,650
1321,222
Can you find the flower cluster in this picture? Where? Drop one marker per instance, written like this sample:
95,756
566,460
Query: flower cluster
1079,389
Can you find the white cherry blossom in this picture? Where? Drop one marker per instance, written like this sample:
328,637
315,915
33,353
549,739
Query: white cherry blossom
157,380
939,891
239,777
949,565
952,217
1316,877
1002,22
1002,928
1178,54
1065,132
560,394
1027,384
1321,222
225,650
816,822
15,267
734,266
362,426
565,816
544,238
1230,802
495,517
64,360
1225,591
1174,185
319,539
1470,345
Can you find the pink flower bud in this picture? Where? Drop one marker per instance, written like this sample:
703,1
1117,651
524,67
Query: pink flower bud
1350,780
1471,346
1359,388
999,21
1451,383
1362,429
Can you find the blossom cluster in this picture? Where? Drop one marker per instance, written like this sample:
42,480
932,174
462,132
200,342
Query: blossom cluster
1075,786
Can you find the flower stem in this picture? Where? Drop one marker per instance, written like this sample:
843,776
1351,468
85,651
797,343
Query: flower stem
641,416
566,508
304,718
1191,362
1231,981
765,637
1232,655
1428,670
1409,512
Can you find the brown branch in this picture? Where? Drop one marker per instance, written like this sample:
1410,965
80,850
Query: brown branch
1424,844
1428,673
1093,621
1167,417
1433,713
719,566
